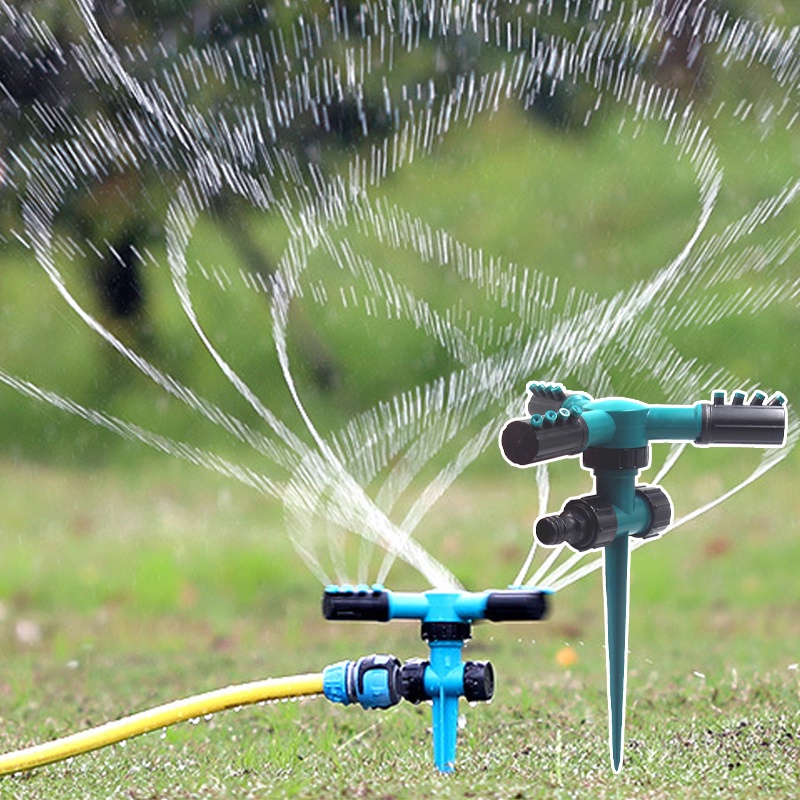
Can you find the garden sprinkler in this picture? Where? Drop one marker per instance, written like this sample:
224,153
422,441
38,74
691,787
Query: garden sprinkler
377,681
613,435
447,617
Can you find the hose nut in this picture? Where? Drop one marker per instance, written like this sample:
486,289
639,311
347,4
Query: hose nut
478,681
412,680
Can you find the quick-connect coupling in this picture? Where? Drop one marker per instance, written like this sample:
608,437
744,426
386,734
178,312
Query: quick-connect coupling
590,522
584,523
371,681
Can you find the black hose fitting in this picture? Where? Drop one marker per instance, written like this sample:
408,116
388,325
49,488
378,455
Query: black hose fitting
660,511
478,681
411,682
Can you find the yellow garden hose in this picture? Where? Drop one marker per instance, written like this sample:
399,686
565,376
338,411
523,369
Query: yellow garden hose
160,717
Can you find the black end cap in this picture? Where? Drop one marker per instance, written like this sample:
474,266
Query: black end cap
739,424
519,442
516,605
478,681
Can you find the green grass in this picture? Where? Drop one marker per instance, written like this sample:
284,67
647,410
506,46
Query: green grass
156,584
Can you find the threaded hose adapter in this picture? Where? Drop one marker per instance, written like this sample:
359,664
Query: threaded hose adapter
584,523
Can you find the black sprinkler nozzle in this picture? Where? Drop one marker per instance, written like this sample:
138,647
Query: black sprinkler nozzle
737,423
526,442
355,603
516,605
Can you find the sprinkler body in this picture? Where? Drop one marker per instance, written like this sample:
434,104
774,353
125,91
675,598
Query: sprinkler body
613,436
444,677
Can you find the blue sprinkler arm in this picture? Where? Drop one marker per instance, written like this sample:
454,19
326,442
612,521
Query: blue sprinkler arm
613,435
446,619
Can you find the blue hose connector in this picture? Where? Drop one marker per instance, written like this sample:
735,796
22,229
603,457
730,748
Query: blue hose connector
334,682
371,681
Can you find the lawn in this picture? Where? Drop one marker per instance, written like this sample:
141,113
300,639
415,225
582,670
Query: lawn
166,589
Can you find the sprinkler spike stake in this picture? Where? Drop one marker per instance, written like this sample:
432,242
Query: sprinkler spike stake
615,572
613,436
446,618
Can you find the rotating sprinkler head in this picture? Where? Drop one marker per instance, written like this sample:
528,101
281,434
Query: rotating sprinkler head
613,436
446,617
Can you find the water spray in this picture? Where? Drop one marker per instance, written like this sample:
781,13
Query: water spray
613,437
444,678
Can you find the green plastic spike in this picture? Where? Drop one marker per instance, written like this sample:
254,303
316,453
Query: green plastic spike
616,562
